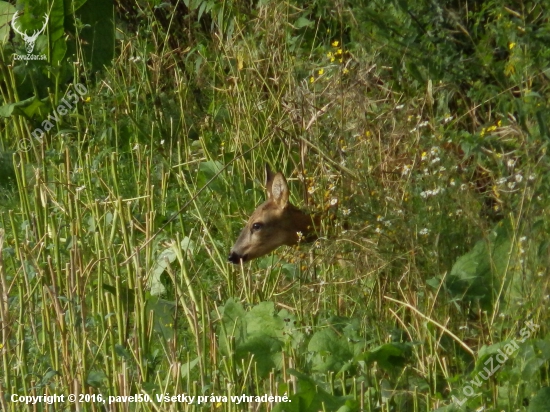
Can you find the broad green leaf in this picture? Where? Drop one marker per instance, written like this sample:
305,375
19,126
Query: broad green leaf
163,312
6,13
164,260
56,31
96,378
541,401
262,319
478,274
390,355
122,352
98,32
332,352
303,22
17,108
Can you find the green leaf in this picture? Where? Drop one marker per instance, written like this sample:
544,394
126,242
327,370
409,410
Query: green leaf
478,274
542,119
163,312
303,22
207,171
73,5
17,108
164,260
261,319
98,32
332,352
186,368
6,13
122,352
56,32
48,377
390,355
96,378
266,351
124,294
311,397
541,401
233,326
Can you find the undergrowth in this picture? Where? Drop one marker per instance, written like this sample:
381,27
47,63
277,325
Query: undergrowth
419,131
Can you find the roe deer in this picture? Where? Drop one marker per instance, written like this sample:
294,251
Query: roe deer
274,223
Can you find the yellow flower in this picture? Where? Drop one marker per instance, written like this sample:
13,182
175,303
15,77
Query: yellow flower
345,71
331,59
339,51
311,79
335,43
499,123
321,71
511,45
329,55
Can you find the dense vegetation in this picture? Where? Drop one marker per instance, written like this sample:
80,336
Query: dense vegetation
132,155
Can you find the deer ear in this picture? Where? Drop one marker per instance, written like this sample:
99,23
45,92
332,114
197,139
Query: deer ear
268,180
279,190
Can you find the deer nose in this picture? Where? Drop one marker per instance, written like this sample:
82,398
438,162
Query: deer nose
235,258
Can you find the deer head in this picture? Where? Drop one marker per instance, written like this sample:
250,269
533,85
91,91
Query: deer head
274,223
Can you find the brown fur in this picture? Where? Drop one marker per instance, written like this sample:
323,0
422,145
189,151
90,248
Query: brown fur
274,223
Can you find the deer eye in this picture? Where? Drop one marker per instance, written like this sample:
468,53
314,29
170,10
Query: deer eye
257,226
